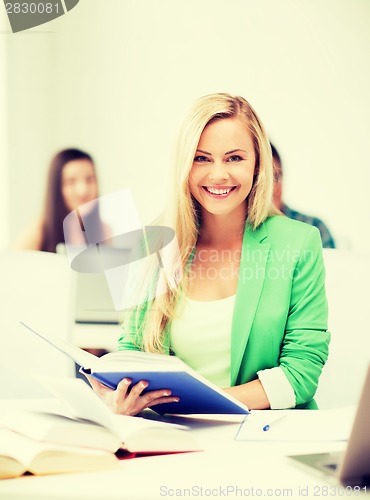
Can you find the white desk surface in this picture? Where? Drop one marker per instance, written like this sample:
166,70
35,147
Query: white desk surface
226,469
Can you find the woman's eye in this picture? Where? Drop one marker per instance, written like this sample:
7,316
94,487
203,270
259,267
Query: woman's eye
201,159
235,158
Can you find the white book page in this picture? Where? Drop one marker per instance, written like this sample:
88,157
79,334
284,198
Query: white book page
80,356
130,360
24,449
60,429
18,447
84,403
140,361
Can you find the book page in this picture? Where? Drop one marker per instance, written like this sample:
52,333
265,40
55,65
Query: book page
81,357
48,427
41,458
24,449
128,360
140,357
84,403
20,448
81,401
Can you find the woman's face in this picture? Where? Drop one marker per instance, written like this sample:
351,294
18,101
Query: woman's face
221,177
79,183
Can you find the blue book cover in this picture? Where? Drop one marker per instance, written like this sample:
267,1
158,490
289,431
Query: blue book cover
197,395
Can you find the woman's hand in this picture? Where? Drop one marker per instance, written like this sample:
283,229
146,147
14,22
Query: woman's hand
130,401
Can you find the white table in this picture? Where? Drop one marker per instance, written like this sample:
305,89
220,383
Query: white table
226,469
240,467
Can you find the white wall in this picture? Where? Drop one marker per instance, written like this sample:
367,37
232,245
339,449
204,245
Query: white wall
4,165
115,77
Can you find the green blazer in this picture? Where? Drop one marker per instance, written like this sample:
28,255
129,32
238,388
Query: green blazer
280,313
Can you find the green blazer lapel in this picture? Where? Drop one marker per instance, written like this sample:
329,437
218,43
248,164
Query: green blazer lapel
251,278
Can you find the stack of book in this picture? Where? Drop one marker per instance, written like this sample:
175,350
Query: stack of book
87,435
83,435
20,454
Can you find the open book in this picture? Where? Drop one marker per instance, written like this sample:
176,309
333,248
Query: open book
85,421
19,454
197,395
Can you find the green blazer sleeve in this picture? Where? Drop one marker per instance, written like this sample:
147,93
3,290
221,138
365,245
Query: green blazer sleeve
304,349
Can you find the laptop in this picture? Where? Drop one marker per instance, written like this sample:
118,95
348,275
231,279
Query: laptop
93,299
94,303
352,466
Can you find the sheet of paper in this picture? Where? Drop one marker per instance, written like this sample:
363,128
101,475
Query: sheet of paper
297,425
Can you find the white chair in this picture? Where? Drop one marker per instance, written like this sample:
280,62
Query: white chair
347,285
37,288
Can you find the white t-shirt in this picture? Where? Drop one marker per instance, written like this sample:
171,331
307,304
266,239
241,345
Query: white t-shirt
201,337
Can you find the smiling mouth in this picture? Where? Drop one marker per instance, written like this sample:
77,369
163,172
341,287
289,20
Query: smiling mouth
220,192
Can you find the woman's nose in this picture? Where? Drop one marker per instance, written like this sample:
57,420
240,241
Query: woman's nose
218,172
82,188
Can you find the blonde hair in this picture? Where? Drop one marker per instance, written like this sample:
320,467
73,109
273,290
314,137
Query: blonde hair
151,320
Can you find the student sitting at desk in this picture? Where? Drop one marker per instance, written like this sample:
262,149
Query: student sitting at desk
250,313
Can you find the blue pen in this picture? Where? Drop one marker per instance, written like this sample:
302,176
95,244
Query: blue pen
267,426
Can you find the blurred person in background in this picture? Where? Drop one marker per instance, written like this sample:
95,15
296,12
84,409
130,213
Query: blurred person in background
72,182
326,237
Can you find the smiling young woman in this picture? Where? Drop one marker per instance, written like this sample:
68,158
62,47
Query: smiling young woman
223,168
250,313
